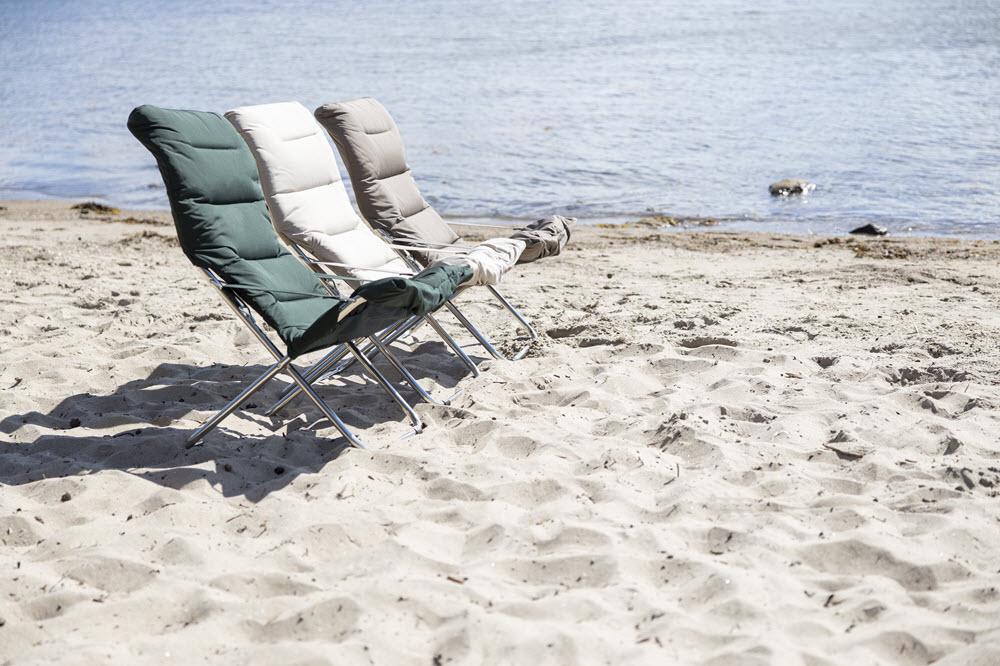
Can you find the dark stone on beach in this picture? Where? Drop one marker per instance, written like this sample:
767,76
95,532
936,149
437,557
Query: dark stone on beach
825,361
74,422
65,497
870,230
790,186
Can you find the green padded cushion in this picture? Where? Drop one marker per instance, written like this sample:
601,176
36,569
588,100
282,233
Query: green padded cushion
222,220
390,299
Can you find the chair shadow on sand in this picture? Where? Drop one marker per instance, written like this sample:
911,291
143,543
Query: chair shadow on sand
252,466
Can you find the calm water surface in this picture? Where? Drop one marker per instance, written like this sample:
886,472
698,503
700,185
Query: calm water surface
517,109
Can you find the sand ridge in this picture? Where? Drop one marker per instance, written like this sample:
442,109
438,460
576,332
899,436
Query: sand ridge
726,449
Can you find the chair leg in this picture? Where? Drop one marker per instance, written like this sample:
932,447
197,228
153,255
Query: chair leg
322,370
406,374
377,375
311,376
231,406
284,362
323,407
484,342
532,334
455,347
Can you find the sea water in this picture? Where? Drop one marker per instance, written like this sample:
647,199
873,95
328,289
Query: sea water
518,109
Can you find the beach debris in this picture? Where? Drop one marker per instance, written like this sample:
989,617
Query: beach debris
789,186
825,361
843,454
88,207
851,452
870,230
939,349
719,540
659,221
694,343
966,475
142,220
951,444
65,497
880,250
565,331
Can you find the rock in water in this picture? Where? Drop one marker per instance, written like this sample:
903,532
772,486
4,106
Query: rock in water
790,186
870,230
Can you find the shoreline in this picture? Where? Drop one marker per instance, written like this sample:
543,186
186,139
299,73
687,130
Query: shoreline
723,448
665,224
655,221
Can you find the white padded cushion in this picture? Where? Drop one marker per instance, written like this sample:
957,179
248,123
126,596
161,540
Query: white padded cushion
303,189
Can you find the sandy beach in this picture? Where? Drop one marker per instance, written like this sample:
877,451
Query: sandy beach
726,448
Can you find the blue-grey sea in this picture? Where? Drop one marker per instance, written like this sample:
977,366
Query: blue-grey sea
516,109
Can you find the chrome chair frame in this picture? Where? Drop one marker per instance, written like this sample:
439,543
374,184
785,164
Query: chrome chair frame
283,364
402,249
377,344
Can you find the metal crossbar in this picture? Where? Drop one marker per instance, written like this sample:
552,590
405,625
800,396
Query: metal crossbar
374,346
480,337
303,383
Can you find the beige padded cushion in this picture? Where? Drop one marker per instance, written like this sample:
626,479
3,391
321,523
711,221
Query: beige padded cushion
303,189
372,149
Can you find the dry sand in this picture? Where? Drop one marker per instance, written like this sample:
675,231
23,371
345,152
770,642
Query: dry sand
726,449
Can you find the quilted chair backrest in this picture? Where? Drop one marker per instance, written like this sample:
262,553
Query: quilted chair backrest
222,220
372,149
304,191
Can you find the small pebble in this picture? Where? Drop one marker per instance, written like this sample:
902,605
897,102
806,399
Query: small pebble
279,470
65,497
74,423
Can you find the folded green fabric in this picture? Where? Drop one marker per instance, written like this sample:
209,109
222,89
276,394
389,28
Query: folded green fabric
420,294
386,302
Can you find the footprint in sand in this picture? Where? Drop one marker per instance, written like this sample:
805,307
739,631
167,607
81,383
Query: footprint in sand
331,620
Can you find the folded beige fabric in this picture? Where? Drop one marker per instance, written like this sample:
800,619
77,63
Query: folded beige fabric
489,260
544,238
